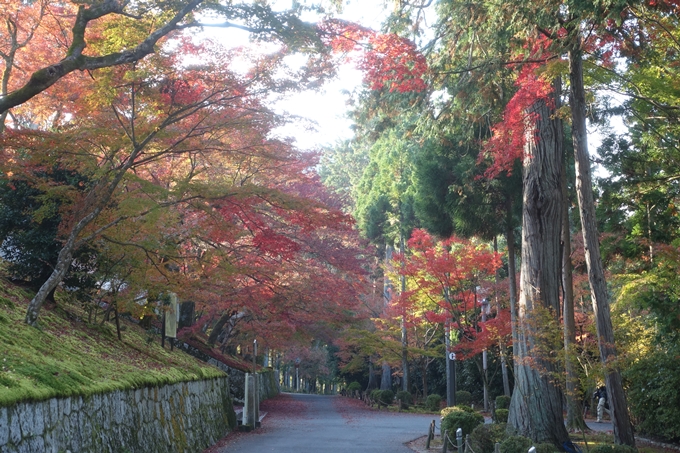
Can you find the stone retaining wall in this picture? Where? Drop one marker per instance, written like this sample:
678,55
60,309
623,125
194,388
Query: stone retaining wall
184,417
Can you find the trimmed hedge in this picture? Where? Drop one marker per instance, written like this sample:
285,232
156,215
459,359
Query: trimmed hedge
433,402
457,418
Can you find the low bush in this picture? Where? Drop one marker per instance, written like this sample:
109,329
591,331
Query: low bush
375,395
405,399
546,448
457,418
447,410
433,402
386,397
463,398
516,444
484,437
610,448
502,415
502,402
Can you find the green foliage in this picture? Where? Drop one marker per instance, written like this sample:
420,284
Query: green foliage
654,394
546,448
463,397
612,448
405,398
375,394
458,418
502,402
484,437
516,444
386,396
447,410
502,415
354,386
433,402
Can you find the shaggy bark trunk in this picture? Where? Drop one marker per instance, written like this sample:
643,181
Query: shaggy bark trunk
372,384
536,405
386,380
623,431
512,277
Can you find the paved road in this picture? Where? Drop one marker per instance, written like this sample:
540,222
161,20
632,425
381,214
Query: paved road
314,423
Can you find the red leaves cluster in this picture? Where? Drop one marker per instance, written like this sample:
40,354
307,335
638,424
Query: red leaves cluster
388,60
509,136
447,273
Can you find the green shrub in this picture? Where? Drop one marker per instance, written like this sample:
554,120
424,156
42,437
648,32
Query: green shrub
386,396
375,395
447,410
502,415
484,437
546,448
516,444
433,402
610,448
654,394
455,419
502,402
405,399
354,386
463,398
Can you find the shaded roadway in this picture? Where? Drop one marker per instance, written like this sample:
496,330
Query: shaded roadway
299,423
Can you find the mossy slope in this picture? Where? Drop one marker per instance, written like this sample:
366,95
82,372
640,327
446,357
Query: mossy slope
65,356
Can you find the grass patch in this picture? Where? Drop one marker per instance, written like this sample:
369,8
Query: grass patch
66,356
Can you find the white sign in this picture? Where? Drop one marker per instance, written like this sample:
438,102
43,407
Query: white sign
452,356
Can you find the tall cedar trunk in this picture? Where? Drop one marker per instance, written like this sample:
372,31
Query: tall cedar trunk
501,345
536,405
386,379
512,276
623,431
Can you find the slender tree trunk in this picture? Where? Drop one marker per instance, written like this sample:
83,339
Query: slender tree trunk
501,346
372,384
404,334
575,420
536,405
215,333
512,277
623,431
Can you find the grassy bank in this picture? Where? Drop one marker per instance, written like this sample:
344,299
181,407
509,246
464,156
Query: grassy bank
66,356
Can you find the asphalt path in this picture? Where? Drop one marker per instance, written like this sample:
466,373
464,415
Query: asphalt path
298,423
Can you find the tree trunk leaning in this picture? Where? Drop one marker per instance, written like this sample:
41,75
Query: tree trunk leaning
623,431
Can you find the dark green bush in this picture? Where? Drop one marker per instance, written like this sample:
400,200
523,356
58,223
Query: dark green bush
375,395
354,386
654,394
463,398
502,415
405,399
502,402
433,402
516,444
610,448
484,437
386,396
546,448
457,418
